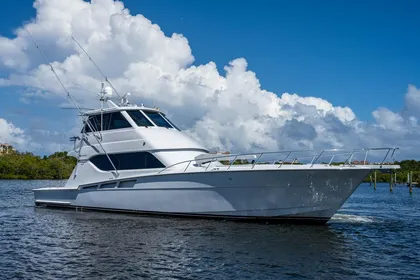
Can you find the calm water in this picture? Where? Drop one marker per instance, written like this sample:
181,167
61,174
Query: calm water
375,236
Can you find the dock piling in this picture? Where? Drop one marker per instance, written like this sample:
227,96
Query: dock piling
410,182
374,180
390,182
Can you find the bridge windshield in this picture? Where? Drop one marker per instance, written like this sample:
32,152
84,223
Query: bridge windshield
139,118
174,126
158,119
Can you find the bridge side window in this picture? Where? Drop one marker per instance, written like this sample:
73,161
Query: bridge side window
115,121
139,118
110,121
127,161
157,119
93,121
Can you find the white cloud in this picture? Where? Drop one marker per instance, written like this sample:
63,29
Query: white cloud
11,134
412,103
35,140
388,120
223,112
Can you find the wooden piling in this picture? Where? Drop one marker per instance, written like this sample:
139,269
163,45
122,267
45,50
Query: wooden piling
390,182
410,182
370,177
374,180
395,178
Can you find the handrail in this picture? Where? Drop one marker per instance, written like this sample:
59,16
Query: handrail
333,156
350,152
218,157
255,162
281,164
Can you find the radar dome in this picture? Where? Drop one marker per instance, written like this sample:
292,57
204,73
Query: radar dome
108,92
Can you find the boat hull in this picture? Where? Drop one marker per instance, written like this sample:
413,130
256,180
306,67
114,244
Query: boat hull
295,196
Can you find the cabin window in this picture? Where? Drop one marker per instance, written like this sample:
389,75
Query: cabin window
110,121
139,118
158,119
127,184
108,185
90,187
127,161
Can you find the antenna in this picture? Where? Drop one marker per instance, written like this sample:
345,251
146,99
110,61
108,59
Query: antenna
70,97
97,67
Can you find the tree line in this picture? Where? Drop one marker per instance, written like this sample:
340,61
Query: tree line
406,167
27,166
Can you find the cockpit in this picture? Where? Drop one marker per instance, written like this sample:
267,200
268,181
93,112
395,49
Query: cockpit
120,119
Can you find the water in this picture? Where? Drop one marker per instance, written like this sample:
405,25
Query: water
376,235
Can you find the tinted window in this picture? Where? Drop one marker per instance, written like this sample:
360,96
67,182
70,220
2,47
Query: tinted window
170,122
127,161
139,118
95,123
108,185
157,119
90,187
115,121
127,184
110,121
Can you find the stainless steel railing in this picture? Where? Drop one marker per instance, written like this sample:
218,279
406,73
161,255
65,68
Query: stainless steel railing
330,153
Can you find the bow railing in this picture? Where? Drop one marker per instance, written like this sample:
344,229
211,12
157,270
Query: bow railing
331,154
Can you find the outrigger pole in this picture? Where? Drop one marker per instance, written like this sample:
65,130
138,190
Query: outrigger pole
72,99
97,67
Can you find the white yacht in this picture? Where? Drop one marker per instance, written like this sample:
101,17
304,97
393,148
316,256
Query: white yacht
134,159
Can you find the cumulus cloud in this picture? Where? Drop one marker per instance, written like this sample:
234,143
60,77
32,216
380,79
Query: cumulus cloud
225,112
35,140
11,134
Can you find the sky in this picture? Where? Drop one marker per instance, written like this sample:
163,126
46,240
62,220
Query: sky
235,75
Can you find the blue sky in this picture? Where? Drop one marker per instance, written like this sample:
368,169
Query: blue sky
360,54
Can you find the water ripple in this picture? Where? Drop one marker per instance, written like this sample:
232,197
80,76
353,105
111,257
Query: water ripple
375,236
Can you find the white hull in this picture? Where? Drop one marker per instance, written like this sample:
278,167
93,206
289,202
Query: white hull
311,195
132,158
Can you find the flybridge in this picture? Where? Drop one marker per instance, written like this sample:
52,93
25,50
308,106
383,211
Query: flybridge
142,116
105,96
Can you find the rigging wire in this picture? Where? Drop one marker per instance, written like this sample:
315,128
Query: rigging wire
52,69
97,67
70,97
